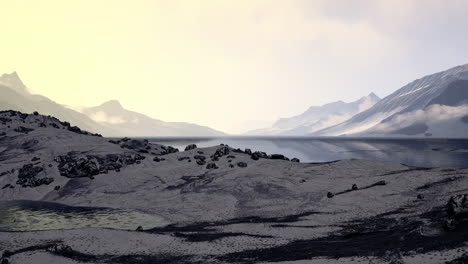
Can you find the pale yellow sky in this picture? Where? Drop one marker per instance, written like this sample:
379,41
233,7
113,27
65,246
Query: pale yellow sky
232,65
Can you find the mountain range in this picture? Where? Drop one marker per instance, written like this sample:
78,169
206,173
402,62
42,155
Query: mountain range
318,117
109,119
435,105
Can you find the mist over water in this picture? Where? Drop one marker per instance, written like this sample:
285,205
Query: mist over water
413,152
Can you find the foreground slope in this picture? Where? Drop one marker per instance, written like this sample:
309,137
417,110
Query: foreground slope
224,205
433,105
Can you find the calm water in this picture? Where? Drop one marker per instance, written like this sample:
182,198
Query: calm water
414,152
37,215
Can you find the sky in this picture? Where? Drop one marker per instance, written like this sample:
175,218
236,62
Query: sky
233,65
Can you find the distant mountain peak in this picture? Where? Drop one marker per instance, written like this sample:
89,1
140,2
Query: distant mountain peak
111,105
13,81
372,95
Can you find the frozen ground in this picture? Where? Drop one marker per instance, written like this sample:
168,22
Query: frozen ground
241,210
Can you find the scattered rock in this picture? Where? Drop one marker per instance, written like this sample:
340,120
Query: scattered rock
260,154
201,162
354,187
60,249
35,113
190,147
8,186
4,261
183,158
168,150
278,157
254,156
381,183
222,151
457,206
211,166
231,166
242,164
27,176
139,228
35,159
200,152
158,159
420,197
248,151
230,157
330,195
295,160
57,187
24,130
199,157
450,224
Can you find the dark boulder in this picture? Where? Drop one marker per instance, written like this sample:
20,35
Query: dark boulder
242,164
222,151
354,187
255,156
199,157
261,154
201,162
27,176
183,158
35,159
380,183
4,261
200,152
139,228
211,166
457,206
24,130
57,187
231,166
248,151
420,197
295,160
77,167
231,157
278,157
168,150
35,113
330,195
158,159
190,147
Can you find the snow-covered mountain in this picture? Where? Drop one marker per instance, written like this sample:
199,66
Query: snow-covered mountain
435,105
318,117
15,96
111,114
109,119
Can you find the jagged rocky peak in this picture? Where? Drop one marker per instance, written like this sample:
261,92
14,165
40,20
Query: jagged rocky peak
12,80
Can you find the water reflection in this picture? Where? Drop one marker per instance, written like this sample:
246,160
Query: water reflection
37,215
414,152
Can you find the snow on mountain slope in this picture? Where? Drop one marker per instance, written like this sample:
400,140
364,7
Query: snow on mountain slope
128,123
318,117
414,96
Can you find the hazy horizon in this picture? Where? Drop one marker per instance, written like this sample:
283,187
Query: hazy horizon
232,66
